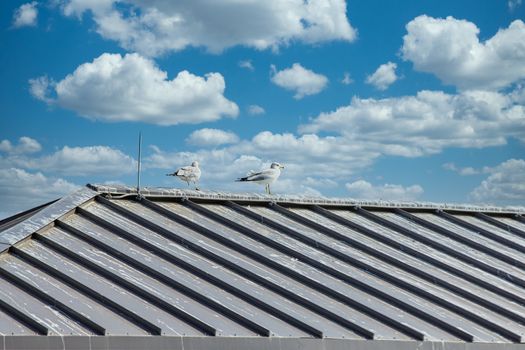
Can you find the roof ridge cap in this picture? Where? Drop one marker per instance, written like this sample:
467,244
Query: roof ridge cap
168,192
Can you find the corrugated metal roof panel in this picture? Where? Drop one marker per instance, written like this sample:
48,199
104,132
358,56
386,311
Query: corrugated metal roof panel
281,253
225,266
110,323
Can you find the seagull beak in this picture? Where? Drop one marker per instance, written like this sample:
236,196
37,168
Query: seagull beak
281,166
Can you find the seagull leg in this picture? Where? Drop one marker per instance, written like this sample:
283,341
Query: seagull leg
197,186
269,191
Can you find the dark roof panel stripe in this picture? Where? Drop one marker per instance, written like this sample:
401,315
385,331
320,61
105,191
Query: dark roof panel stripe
259,269
107,322
416,262
512,222
357,277
214,267
431,234
43,318
136,310
119,274
499,222
157,276
397,277
513,238
284,256
189,263
478,238
418,241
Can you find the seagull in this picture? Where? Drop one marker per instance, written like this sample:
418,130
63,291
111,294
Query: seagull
265,177
190,173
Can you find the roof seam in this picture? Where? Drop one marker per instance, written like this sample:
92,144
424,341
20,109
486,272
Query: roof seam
165,255
301,279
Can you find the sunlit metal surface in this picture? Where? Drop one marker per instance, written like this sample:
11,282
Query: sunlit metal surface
246,270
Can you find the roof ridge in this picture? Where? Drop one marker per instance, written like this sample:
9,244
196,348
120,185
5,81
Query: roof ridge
124,190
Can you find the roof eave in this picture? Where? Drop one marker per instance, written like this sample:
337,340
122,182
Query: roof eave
44,217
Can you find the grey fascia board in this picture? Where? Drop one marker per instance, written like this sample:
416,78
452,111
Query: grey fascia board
44,217
233,343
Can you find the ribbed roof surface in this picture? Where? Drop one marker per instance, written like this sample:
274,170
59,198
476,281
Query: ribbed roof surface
188,265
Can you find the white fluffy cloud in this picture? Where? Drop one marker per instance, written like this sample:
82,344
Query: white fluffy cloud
505,184
513,4
132,88
354,136
450,49
347,80
300,80
467,171
220,168
246,64
313,163
255,110
464,171
364,190
21,190
27,180
426,123
383,77
316,156
25,145
211,137
89,160
68,161
320,182
25,15
41,88
153,27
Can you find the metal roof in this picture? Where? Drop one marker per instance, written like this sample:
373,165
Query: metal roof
178,269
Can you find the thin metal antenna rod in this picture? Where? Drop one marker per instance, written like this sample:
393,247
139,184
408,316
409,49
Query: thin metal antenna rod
138,166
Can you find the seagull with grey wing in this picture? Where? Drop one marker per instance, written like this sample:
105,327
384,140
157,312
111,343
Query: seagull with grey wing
265,177
190,173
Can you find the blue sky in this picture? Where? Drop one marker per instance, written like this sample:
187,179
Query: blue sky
408,100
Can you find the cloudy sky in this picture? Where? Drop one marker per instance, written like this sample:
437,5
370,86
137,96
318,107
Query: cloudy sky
394,100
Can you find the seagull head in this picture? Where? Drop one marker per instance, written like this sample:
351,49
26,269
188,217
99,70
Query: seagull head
195,164
276,166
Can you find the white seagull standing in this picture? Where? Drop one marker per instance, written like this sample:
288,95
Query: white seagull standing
190,173
265,177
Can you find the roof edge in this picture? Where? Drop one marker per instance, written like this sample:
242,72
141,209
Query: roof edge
235,343
23,215
122,190
44,217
